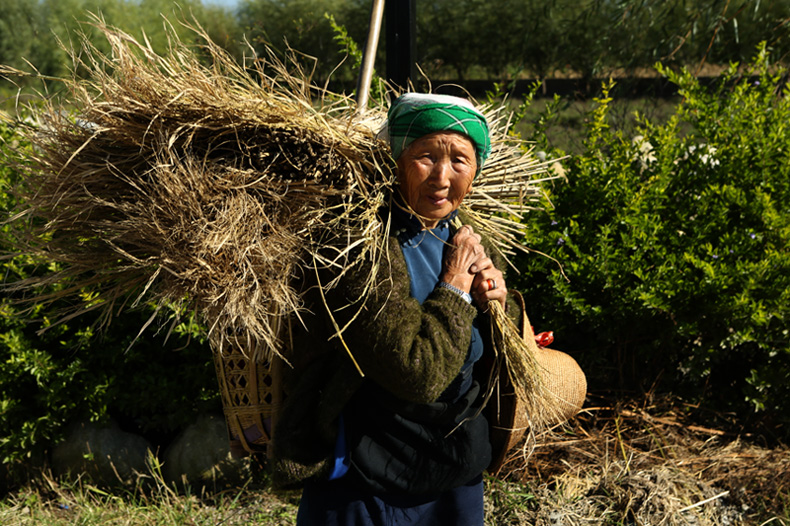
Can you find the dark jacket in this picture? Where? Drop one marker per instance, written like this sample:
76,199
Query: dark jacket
410,350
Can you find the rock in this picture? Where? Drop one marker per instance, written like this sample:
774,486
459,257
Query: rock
105,453
201,454
17,473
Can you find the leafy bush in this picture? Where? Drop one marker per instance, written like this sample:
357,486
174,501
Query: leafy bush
676,246
68,373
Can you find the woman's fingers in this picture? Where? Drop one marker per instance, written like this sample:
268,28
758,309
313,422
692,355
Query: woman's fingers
481,264
465,252
489,284
468,237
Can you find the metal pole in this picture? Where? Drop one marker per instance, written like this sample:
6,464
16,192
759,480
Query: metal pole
401,31
369,55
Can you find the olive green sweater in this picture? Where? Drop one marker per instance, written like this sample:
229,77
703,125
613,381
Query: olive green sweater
413,351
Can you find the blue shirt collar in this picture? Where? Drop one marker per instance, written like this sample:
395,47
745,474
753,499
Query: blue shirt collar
406,225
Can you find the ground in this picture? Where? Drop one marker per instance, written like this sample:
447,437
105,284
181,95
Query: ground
622,462
646,463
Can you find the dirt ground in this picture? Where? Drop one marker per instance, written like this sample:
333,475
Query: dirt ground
648,463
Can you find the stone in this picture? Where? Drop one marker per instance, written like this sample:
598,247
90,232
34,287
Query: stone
105,453
201,455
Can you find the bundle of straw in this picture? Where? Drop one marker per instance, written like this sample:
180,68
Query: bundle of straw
217,186
170,181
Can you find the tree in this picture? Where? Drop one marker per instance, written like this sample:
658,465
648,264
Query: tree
301,25
18,31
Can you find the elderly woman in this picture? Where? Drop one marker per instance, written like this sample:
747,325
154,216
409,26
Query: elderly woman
406,443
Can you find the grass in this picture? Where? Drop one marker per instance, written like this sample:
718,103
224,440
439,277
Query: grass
150,501
54,503
618,463
61,502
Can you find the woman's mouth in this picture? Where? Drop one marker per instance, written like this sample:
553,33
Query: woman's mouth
437,200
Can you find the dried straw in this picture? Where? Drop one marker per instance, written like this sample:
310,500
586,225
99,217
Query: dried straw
179,182
216,187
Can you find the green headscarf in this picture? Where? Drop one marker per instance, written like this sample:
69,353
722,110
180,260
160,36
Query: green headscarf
415,115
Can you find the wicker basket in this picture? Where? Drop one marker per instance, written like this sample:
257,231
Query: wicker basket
251,395
507,417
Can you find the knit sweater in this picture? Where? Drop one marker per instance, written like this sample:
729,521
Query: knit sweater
412,351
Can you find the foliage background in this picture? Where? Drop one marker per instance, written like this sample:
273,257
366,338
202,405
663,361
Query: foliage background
458,39
674,244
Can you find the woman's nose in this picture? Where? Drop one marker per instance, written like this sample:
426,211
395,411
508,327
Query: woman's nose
440,175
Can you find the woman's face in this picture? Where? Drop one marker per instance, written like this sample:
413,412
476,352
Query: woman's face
435,173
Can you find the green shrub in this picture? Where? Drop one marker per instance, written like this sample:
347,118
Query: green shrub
676,246
66,373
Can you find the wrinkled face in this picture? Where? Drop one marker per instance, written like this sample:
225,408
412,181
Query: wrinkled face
435,173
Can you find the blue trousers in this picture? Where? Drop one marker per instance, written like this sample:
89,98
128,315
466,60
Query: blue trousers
337,503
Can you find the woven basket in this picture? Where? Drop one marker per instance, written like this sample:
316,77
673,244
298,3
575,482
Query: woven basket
508,420
251,396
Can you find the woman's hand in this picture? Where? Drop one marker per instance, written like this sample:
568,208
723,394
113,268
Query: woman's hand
467,267
488,284
465,253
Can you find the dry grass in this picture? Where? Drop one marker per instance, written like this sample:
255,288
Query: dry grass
648,463
177,182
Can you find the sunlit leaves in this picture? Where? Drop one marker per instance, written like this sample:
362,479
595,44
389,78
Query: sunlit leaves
677,244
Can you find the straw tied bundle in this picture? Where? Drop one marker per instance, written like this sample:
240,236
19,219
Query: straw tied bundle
215,187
